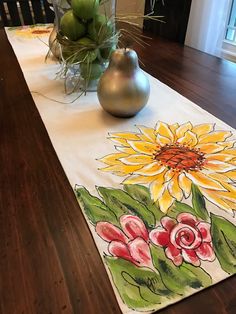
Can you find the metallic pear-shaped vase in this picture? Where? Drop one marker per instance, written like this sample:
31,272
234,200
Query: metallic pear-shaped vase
123,89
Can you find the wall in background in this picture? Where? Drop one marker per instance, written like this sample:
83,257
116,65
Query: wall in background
128,6
175,15
206,26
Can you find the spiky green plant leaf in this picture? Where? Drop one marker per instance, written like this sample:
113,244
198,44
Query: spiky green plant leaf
139,287
142,194
122,203
223,234
94,208
179,278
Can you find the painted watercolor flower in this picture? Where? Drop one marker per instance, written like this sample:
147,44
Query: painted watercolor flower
170,157
184,239
130,242
33,31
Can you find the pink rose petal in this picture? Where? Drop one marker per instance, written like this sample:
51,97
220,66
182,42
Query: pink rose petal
168,223
184,236
205,252
188,219
133,227
191,257
204,229
120,249
159,237
109,232
174,254
140,252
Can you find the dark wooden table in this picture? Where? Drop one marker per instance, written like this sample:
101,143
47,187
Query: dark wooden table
48,260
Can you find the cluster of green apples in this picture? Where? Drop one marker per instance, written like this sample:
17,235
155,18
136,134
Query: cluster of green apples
84,25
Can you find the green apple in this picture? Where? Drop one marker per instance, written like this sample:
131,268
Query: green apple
68,54
71,26
85,9
91,71
100,28
87,53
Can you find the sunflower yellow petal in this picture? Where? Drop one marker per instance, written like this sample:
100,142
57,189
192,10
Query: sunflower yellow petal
231,191
156,189
169,175
125,135
126,150
189,139
202,129
204,181
174,188
112,159
147,134
219,177
151,169
213,198
136,179
232,205
214,137
121,169
162,140
219,156
136,159
231,175
209,148
143,147
227,144
119,141
163,130
182,129
218,166
165,201
230,151
185,184
174,127
227,196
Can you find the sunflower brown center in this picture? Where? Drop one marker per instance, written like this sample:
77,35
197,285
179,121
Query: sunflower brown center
179,158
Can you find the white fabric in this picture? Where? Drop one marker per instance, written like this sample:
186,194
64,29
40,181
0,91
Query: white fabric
79,130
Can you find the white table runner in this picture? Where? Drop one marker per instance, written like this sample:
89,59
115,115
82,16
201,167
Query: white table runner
159,239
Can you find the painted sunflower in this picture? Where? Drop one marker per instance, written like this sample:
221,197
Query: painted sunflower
169,158
33,31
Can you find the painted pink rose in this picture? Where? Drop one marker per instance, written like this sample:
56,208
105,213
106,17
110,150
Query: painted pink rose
130,242
184,239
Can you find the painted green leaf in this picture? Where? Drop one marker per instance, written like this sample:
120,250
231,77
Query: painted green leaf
122,203
139,287
179,279
198,208
223,234
94,208
142,194
179,208
199,204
